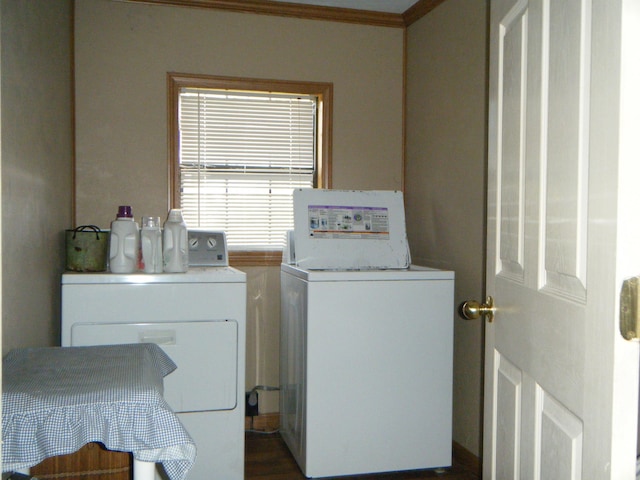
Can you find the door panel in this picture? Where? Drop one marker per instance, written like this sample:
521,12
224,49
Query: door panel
559,436
564,145
540,236
508,397
552,352
511,137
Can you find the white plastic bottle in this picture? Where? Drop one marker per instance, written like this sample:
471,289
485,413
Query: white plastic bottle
124,242
151,245
175,247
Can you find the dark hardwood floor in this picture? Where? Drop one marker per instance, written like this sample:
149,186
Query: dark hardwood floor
268,458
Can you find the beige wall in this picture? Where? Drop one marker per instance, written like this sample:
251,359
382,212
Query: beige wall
123,53
36,167
445,182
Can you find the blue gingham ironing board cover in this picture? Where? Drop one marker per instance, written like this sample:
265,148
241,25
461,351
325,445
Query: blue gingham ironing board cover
57,399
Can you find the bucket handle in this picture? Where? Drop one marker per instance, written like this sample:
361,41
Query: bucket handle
83,228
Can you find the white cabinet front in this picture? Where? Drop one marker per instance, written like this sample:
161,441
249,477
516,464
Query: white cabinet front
206,353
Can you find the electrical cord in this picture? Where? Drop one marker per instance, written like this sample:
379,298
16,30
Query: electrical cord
263,432
253,401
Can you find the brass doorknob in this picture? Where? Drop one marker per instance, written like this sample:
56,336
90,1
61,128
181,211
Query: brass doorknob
470,310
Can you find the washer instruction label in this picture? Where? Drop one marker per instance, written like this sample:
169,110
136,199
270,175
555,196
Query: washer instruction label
350,222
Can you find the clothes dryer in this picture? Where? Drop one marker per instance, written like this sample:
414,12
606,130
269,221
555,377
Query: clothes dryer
199,319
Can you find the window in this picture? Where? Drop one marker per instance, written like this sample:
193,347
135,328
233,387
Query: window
238,149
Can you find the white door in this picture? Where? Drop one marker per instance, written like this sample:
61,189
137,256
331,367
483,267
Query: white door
561,384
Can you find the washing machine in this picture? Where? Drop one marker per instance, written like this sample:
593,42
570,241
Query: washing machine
366,341
199,319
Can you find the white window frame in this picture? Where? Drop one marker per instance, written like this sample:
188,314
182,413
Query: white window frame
322,91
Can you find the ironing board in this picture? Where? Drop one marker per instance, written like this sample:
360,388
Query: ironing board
57,399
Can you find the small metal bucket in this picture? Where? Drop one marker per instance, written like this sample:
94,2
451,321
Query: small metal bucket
86,247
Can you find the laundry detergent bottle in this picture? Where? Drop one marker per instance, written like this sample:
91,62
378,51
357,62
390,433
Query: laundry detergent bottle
124,242
174,246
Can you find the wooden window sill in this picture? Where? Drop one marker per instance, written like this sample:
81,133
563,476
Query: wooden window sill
255,258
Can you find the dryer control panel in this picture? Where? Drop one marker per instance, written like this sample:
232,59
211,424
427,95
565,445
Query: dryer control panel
207,248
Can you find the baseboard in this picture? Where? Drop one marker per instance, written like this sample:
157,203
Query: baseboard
266,422
467,459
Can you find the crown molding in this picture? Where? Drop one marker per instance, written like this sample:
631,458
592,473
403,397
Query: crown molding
310,12
286,9
419,10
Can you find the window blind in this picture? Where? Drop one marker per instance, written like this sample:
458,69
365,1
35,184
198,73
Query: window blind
241,156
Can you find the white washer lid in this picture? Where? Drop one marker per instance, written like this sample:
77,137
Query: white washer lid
349,229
